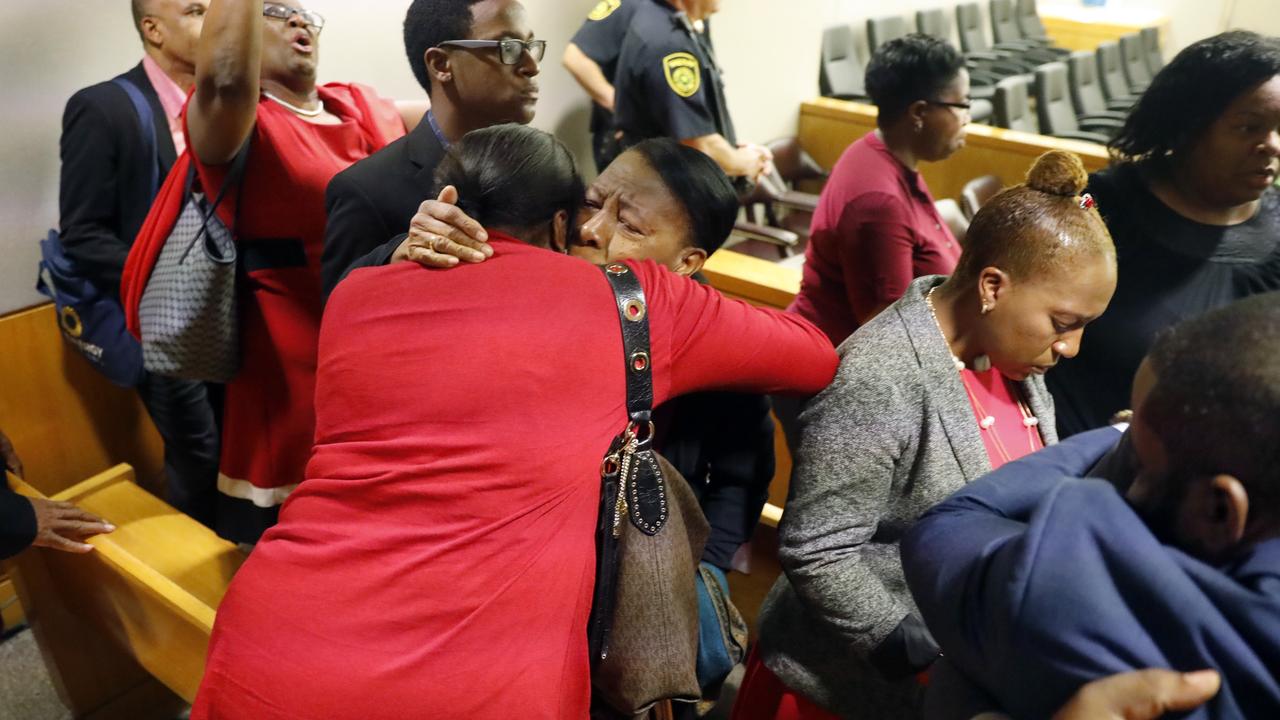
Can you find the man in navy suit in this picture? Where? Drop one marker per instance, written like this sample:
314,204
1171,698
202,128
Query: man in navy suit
1036,581
106,192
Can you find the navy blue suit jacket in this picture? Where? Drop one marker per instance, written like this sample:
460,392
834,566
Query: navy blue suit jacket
1035,582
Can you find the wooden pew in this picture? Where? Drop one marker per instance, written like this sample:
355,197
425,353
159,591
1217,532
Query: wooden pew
124,629
829,126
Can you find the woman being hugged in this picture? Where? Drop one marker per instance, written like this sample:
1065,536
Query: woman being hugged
256,75
1192,206
937,390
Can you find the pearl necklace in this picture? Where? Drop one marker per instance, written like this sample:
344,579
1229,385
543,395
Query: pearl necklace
1029,420
299,110
928,300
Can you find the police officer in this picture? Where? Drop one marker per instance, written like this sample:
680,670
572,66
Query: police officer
668,84
592,59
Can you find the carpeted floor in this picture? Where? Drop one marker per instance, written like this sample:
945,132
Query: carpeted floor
25,690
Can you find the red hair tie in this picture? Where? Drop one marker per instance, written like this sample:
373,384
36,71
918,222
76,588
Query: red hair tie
1086,202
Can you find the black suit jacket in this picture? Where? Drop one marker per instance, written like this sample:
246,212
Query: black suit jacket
17,520
105,191
372,201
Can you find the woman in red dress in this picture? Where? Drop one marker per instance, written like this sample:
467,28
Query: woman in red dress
439,559
256,75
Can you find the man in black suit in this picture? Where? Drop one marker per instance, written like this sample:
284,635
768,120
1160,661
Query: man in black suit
477,60
108,182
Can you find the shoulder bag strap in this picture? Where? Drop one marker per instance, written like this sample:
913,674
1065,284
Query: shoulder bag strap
633,312
146,120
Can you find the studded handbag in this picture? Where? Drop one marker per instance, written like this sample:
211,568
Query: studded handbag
643,632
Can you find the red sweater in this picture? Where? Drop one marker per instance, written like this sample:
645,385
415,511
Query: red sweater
438,560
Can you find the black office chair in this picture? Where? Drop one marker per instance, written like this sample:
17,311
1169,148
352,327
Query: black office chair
1133,61
1013,105
1086,91
1111,76
841,74
1030,24
973,43
1151,44
982,80
883,29
1005,30
1057,114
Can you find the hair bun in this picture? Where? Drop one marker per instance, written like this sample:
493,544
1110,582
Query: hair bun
1058,173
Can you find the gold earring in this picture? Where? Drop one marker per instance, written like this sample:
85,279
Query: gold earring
985,308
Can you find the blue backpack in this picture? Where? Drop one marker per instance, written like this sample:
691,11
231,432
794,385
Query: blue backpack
91,320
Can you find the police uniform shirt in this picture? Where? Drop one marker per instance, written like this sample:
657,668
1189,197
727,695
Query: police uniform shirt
600,38
668,83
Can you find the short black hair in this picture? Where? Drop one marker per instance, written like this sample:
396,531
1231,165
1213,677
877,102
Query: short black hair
512,176
909,69
1216,401
429,23
699,185
1192,91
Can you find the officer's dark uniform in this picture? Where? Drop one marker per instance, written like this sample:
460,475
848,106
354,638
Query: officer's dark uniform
600,38
668,83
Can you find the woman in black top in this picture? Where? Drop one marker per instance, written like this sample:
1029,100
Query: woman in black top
1192,208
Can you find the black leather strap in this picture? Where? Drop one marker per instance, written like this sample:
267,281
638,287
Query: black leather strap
633,312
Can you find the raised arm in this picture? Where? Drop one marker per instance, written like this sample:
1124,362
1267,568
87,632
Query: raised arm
228,62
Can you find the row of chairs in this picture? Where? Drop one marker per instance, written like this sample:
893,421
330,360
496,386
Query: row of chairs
1020,47
1084,98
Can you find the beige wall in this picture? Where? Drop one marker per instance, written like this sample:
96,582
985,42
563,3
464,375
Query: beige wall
769,48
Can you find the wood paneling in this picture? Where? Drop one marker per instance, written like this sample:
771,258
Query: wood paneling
829,126
1080,28
143,602
66,421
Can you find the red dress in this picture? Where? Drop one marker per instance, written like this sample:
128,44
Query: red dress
875,230
439,559
269,417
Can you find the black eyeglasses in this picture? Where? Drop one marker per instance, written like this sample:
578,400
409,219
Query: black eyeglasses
313,20
957,105
509,50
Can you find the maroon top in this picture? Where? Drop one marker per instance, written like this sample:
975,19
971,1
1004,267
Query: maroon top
875,230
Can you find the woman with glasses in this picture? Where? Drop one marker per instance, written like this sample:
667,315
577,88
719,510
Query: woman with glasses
876,227
256,81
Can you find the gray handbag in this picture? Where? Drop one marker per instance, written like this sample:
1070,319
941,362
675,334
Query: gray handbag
188,314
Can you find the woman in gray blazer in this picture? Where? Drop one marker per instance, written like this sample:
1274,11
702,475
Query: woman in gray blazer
899,429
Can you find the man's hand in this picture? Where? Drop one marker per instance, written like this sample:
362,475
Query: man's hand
440,235
9,457
1141,695
63,526
761,159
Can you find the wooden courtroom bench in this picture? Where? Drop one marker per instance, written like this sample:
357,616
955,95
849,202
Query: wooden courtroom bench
136,610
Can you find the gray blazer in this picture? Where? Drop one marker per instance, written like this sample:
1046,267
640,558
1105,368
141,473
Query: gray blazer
893,435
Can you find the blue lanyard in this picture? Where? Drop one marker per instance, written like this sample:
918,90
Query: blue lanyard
435,128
